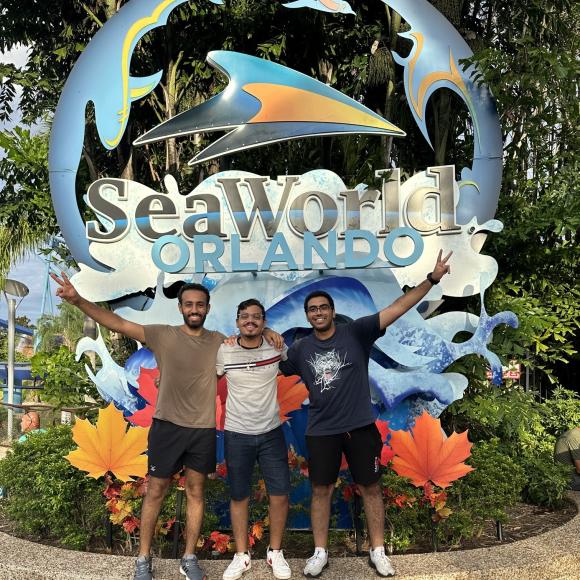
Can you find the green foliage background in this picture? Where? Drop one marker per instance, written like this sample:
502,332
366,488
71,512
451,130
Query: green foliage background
48,497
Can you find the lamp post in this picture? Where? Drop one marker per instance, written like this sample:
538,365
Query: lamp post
12,291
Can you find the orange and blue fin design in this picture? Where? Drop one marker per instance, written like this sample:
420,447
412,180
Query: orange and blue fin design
265,103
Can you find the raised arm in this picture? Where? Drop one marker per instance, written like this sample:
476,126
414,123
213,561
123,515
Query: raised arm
403,304
100,315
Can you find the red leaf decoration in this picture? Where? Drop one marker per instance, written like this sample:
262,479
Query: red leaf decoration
148,390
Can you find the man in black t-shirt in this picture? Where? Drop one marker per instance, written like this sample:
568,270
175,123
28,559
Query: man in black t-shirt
333,363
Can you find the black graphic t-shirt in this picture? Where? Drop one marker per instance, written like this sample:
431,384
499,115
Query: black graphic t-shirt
336,374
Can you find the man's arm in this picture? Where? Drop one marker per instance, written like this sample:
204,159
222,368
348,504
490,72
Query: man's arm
220,371
287,366
403,304
100,315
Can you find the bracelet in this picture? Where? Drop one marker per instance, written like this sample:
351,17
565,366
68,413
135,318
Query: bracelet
432,280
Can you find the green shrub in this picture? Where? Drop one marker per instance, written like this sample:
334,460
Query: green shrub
66,383
525,430
47,496
483,494
407,519
496,483
561,411
548,480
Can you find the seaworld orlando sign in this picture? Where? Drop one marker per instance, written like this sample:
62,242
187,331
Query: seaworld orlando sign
242,234
250,223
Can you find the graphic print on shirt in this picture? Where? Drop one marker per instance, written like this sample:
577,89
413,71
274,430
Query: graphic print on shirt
326,368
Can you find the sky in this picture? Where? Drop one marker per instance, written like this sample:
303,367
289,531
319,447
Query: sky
31,270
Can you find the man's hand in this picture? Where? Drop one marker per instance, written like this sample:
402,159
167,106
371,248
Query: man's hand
231,340
65,289
441,266
274,339
100,315
411,298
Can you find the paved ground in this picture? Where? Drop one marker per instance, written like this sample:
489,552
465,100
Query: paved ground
553,555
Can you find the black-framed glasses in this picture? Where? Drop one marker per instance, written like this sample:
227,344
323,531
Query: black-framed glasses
315,309
247,316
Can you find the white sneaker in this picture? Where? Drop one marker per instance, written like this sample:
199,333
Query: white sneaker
380,562
240,564
280,568
316,563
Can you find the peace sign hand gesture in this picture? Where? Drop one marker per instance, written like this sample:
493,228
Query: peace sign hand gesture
65,289
441,267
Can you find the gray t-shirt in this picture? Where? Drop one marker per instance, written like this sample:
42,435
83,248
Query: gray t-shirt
252,403
568,451
336,374
186,364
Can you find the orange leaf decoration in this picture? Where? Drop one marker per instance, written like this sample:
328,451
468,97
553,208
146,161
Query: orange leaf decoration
426,454
109,446
386,452
257,530
291,395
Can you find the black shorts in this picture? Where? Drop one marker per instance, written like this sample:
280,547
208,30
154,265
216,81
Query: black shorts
362,448
172,447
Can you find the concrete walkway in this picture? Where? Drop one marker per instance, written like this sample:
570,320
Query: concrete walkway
553,555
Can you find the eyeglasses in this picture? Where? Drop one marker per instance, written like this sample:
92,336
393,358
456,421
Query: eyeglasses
321,308
247,316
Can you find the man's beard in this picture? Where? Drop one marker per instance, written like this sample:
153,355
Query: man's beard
197,323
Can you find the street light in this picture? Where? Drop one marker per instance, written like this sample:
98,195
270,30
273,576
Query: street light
12,290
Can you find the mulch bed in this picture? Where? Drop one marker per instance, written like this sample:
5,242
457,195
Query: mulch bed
525,521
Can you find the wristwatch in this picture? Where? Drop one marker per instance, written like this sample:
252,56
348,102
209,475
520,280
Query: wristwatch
432,280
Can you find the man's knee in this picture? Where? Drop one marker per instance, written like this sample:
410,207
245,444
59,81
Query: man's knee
194,486
279,501
239,503
322,491
371,491
156,489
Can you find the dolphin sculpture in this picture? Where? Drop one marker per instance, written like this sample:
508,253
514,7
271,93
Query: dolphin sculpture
101,77
266,102
434,63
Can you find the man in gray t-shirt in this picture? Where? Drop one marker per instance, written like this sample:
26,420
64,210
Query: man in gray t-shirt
253,433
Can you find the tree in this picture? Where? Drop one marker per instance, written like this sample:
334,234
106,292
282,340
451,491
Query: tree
527,52
26,215
63,329
529,56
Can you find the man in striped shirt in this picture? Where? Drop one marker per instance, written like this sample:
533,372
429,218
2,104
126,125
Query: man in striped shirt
253,432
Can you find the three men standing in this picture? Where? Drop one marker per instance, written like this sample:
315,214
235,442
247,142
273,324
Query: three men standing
333,363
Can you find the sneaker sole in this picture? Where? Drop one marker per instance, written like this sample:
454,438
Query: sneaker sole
279,576
316,575
182,571
240,574
373,566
